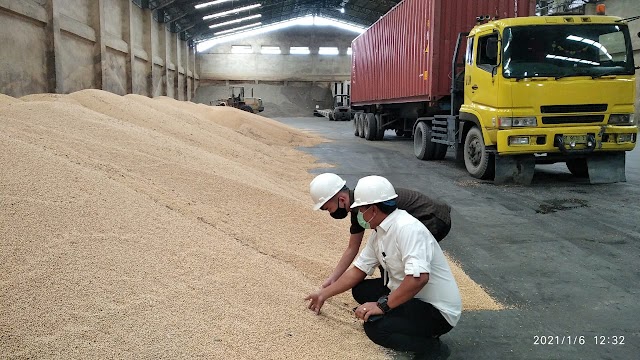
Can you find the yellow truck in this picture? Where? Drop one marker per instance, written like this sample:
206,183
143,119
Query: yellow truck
544,90
510,93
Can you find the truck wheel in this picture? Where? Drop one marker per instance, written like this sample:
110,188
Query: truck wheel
441,152
380,134
477,160
246,108
361,125
356,119
578,167
423,148
370,127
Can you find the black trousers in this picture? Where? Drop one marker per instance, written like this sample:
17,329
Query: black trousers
412,326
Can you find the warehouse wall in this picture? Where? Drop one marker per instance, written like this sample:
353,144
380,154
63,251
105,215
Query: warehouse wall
61,46
218,63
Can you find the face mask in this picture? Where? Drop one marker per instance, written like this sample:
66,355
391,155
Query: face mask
361,220
340,213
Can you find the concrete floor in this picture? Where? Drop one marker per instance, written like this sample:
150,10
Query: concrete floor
562,254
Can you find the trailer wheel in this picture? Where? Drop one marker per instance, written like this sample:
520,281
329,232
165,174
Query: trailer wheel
440,152
477,160
356,119
361,125
423,148
246,108
370,127
380,134
578,167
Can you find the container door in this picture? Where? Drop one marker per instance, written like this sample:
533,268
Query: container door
481,85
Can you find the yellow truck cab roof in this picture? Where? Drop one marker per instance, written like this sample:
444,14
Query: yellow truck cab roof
546,20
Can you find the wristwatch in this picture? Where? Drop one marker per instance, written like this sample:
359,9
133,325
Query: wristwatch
382,304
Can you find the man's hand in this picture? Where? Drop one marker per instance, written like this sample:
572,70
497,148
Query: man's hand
328,282
364,311
317,300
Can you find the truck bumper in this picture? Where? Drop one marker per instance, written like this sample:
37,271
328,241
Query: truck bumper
566,139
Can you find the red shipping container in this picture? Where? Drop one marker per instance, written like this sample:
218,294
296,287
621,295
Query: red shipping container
406,55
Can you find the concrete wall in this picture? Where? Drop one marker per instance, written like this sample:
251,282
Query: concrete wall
62,46
218,63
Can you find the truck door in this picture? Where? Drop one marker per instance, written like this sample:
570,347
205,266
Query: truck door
481,87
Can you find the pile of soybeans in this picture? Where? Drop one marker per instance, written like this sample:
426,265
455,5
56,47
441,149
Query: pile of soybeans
133,227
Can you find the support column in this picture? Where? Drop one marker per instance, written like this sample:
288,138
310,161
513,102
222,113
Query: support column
187,93
167,59
54,68
176,63
194,85
100,47
128,35
150,49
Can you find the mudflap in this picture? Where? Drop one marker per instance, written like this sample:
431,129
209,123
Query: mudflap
516,169
606,168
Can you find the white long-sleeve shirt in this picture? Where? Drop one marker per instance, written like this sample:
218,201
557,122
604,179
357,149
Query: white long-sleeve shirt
404,246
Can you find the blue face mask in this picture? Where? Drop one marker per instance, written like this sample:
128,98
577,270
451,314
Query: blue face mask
361,221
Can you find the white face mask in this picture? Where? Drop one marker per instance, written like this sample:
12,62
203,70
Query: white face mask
365,224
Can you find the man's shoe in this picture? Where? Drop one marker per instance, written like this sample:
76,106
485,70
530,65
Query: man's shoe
436,351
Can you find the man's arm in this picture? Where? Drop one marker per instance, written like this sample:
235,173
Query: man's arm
348,280
347,258
408,288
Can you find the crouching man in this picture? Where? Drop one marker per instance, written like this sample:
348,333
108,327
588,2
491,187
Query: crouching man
418,299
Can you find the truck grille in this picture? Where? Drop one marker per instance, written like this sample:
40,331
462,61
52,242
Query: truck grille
557,109
574,119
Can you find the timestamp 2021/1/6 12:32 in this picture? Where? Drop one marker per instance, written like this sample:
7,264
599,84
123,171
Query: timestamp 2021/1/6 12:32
578,340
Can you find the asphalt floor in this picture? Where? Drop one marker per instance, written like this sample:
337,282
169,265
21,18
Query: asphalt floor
563,255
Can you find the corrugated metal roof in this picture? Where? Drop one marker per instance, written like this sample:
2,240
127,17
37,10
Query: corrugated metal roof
184,18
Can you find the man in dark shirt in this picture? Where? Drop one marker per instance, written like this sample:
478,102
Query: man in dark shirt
330,193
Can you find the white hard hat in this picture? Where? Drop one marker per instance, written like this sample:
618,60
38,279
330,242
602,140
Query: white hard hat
371,190
324,187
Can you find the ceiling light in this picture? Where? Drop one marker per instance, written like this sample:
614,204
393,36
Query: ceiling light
232,11
204,45
210,3
237,29
235,21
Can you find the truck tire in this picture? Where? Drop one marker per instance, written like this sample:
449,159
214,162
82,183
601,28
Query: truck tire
246,108
361,125
356,118
477,160
441,152
380,134
578,167
423,148
370,127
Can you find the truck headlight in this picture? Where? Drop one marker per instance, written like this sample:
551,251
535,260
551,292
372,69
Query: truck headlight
517,122
621,119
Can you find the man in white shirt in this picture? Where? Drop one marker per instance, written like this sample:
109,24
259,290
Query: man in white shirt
418,300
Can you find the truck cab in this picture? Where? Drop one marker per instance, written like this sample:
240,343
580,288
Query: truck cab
548,89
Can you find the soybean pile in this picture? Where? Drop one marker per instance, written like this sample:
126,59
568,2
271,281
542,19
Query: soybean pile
138,227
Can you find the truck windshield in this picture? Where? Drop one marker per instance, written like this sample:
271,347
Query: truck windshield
567,50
